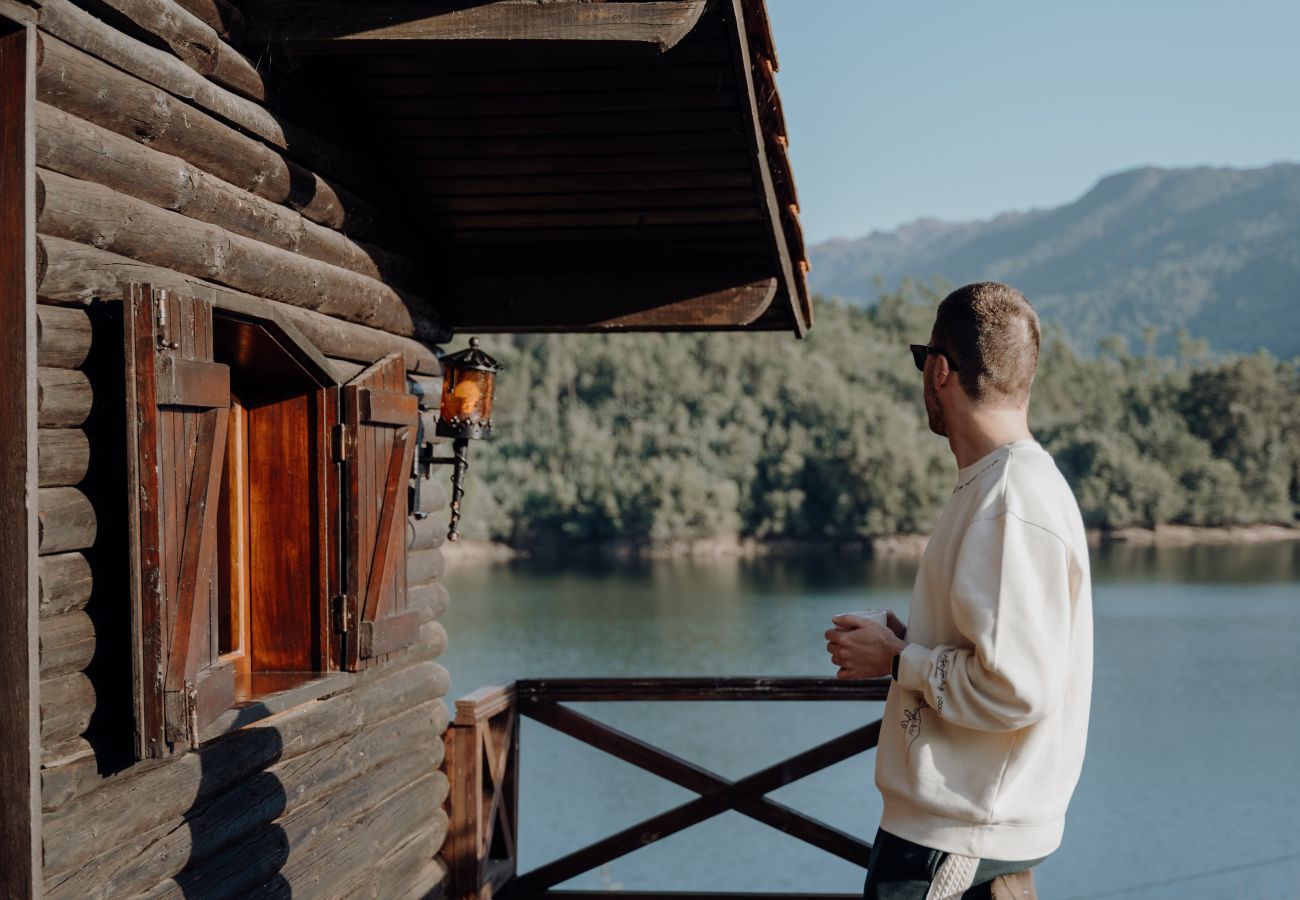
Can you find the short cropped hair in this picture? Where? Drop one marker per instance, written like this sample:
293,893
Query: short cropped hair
991,331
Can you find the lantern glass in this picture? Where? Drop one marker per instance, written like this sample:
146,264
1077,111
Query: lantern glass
468,382
467,399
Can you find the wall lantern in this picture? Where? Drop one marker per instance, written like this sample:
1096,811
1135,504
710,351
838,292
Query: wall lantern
464,414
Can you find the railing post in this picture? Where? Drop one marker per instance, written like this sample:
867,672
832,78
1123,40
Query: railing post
482,768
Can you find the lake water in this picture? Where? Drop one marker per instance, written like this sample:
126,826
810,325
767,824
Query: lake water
1190,788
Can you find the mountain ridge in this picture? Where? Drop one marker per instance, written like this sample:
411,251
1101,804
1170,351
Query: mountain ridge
1215,250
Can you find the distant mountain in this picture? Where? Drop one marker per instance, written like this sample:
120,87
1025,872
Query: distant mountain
1214,250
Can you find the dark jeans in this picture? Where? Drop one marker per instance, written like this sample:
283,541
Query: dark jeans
902,870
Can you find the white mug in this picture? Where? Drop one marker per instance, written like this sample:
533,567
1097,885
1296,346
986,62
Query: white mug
879,616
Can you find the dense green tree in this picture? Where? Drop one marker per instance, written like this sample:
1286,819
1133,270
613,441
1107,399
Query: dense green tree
680,436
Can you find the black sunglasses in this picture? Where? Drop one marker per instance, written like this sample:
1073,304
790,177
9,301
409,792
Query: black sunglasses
921,351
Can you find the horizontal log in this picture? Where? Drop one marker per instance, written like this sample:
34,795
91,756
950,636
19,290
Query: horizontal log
66,753
362,343
86,809
63,456
67,703
345,863
402,746
66,518
422,534
88,88
431,599
433,494
81,778
434,636
424,566
413,870
242,868
237,72
67,643
63,336
346,370
189,38
430,387
82,149
163,70
65,583
221,16
185,34
78,83
90,213
79,273
63,397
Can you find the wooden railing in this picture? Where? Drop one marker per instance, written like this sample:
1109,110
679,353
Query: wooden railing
483,765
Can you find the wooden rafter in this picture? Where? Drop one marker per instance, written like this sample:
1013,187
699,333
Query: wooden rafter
348,26
602,302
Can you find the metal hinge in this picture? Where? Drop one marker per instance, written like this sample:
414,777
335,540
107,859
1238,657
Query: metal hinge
163,326
341,440
342,614
183,708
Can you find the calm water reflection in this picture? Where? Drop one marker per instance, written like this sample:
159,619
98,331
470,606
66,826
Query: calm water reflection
1190,774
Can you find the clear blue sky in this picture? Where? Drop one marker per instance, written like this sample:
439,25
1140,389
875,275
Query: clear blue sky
961,110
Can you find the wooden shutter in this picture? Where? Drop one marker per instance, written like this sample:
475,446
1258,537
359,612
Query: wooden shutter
178,403
380,419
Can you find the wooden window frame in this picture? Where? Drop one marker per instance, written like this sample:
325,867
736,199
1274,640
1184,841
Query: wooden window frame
353,445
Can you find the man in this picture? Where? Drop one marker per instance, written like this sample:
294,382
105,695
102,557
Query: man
983,733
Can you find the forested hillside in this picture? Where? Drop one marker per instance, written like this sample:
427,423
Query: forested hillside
1216,251
681,436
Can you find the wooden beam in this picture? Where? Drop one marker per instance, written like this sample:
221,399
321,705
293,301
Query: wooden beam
20,822
762,170
689,895
587,690
341,26
643,301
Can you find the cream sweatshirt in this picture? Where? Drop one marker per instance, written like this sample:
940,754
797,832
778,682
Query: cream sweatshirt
983,733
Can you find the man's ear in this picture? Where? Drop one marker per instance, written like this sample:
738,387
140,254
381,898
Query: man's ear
941,370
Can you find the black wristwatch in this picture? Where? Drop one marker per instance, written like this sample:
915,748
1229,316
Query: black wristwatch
894,674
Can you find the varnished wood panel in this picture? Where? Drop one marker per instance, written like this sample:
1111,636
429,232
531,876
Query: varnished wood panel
283,578
19,751
377,470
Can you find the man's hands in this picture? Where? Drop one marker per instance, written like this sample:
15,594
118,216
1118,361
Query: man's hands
863,649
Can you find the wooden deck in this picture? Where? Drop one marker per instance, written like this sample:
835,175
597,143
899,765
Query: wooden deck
483,766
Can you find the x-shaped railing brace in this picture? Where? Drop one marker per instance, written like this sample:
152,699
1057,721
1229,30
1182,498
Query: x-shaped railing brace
717,794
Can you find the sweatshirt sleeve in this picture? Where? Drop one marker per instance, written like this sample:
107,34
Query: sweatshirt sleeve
1011,601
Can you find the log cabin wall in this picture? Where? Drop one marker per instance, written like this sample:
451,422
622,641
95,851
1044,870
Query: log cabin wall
160,160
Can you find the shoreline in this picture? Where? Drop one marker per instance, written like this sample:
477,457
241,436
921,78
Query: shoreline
902,547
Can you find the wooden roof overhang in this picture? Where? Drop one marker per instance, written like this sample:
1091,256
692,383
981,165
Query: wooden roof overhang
570,165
